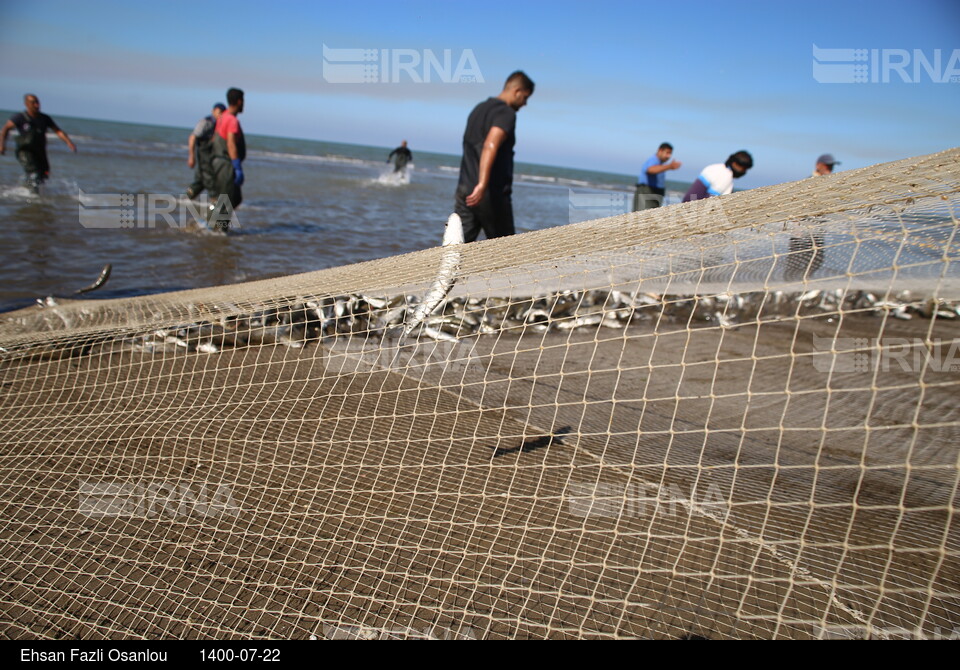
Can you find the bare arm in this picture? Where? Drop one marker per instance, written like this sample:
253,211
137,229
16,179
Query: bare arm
657,169
7,127
63,136
232,146
193,145
491,145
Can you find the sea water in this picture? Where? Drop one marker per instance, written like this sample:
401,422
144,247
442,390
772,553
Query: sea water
310,205
307,205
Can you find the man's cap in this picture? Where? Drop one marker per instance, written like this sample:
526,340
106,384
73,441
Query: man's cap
222,107
828,159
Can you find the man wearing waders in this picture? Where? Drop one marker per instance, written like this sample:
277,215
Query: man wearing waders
32,126
201,152
229,150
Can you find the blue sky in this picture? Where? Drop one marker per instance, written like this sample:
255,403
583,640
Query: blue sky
614,79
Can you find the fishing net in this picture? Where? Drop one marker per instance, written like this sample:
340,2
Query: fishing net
729,418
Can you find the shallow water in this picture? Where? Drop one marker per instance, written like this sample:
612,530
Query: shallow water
307,206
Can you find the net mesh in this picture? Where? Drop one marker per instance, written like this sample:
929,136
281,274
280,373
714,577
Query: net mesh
724,419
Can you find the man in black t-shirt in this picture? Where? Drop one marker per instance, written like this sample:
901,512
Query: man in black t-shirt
483,198
32,126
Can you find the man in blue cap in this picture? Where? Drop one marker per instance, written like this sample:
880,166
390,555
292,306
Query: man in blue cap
825,165
807,249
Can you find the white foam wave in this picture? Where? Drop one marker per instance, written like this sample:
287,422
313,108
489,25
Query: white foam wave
395,178
20,192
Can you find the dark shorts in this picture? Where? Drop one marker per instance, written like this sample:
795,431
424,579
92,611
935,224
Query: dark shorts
494,216
647,197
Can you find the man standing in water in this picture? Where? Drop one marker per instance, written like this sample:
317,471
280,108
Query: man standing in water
201,152
652,184
32,126
400,157
483,198
229,151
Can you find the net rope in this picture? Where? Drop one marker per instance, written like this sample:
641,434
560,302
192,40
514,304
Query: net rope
730,418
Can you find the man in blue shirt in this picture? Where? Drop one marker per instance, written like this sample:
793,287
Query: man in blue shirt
651,185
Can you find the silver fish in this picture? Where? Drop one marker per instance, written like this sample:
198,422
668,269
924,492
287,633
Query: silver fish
438,334
101,280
